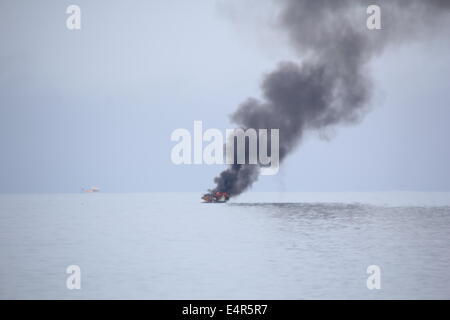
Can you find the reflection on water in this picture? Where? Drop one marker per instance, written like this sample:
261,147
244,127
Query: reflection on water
298,212
314,210
169,246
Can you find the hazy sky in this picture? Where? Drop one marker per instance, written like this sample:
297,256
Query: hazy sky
97,106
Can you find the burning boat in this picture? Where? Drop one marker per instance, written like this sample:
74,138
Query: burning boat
216,197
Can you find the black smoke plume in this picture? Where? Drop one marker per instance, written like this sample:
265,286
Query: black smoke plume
331,84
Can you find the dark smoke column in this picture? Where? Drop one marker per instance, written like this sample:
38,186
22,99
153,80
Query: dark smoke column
331,86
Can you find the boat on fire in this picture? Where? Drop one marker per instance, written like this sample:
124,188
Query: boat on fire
216,197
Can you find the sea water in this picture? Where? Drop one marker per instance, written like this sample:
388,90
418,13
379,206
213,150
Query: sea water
257,246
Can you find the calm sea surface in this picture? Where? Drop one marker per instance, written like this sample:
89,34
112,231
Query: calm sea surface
259,246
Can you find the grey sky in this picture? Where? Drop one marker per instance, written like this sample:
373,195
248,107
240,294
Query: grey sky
97,106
